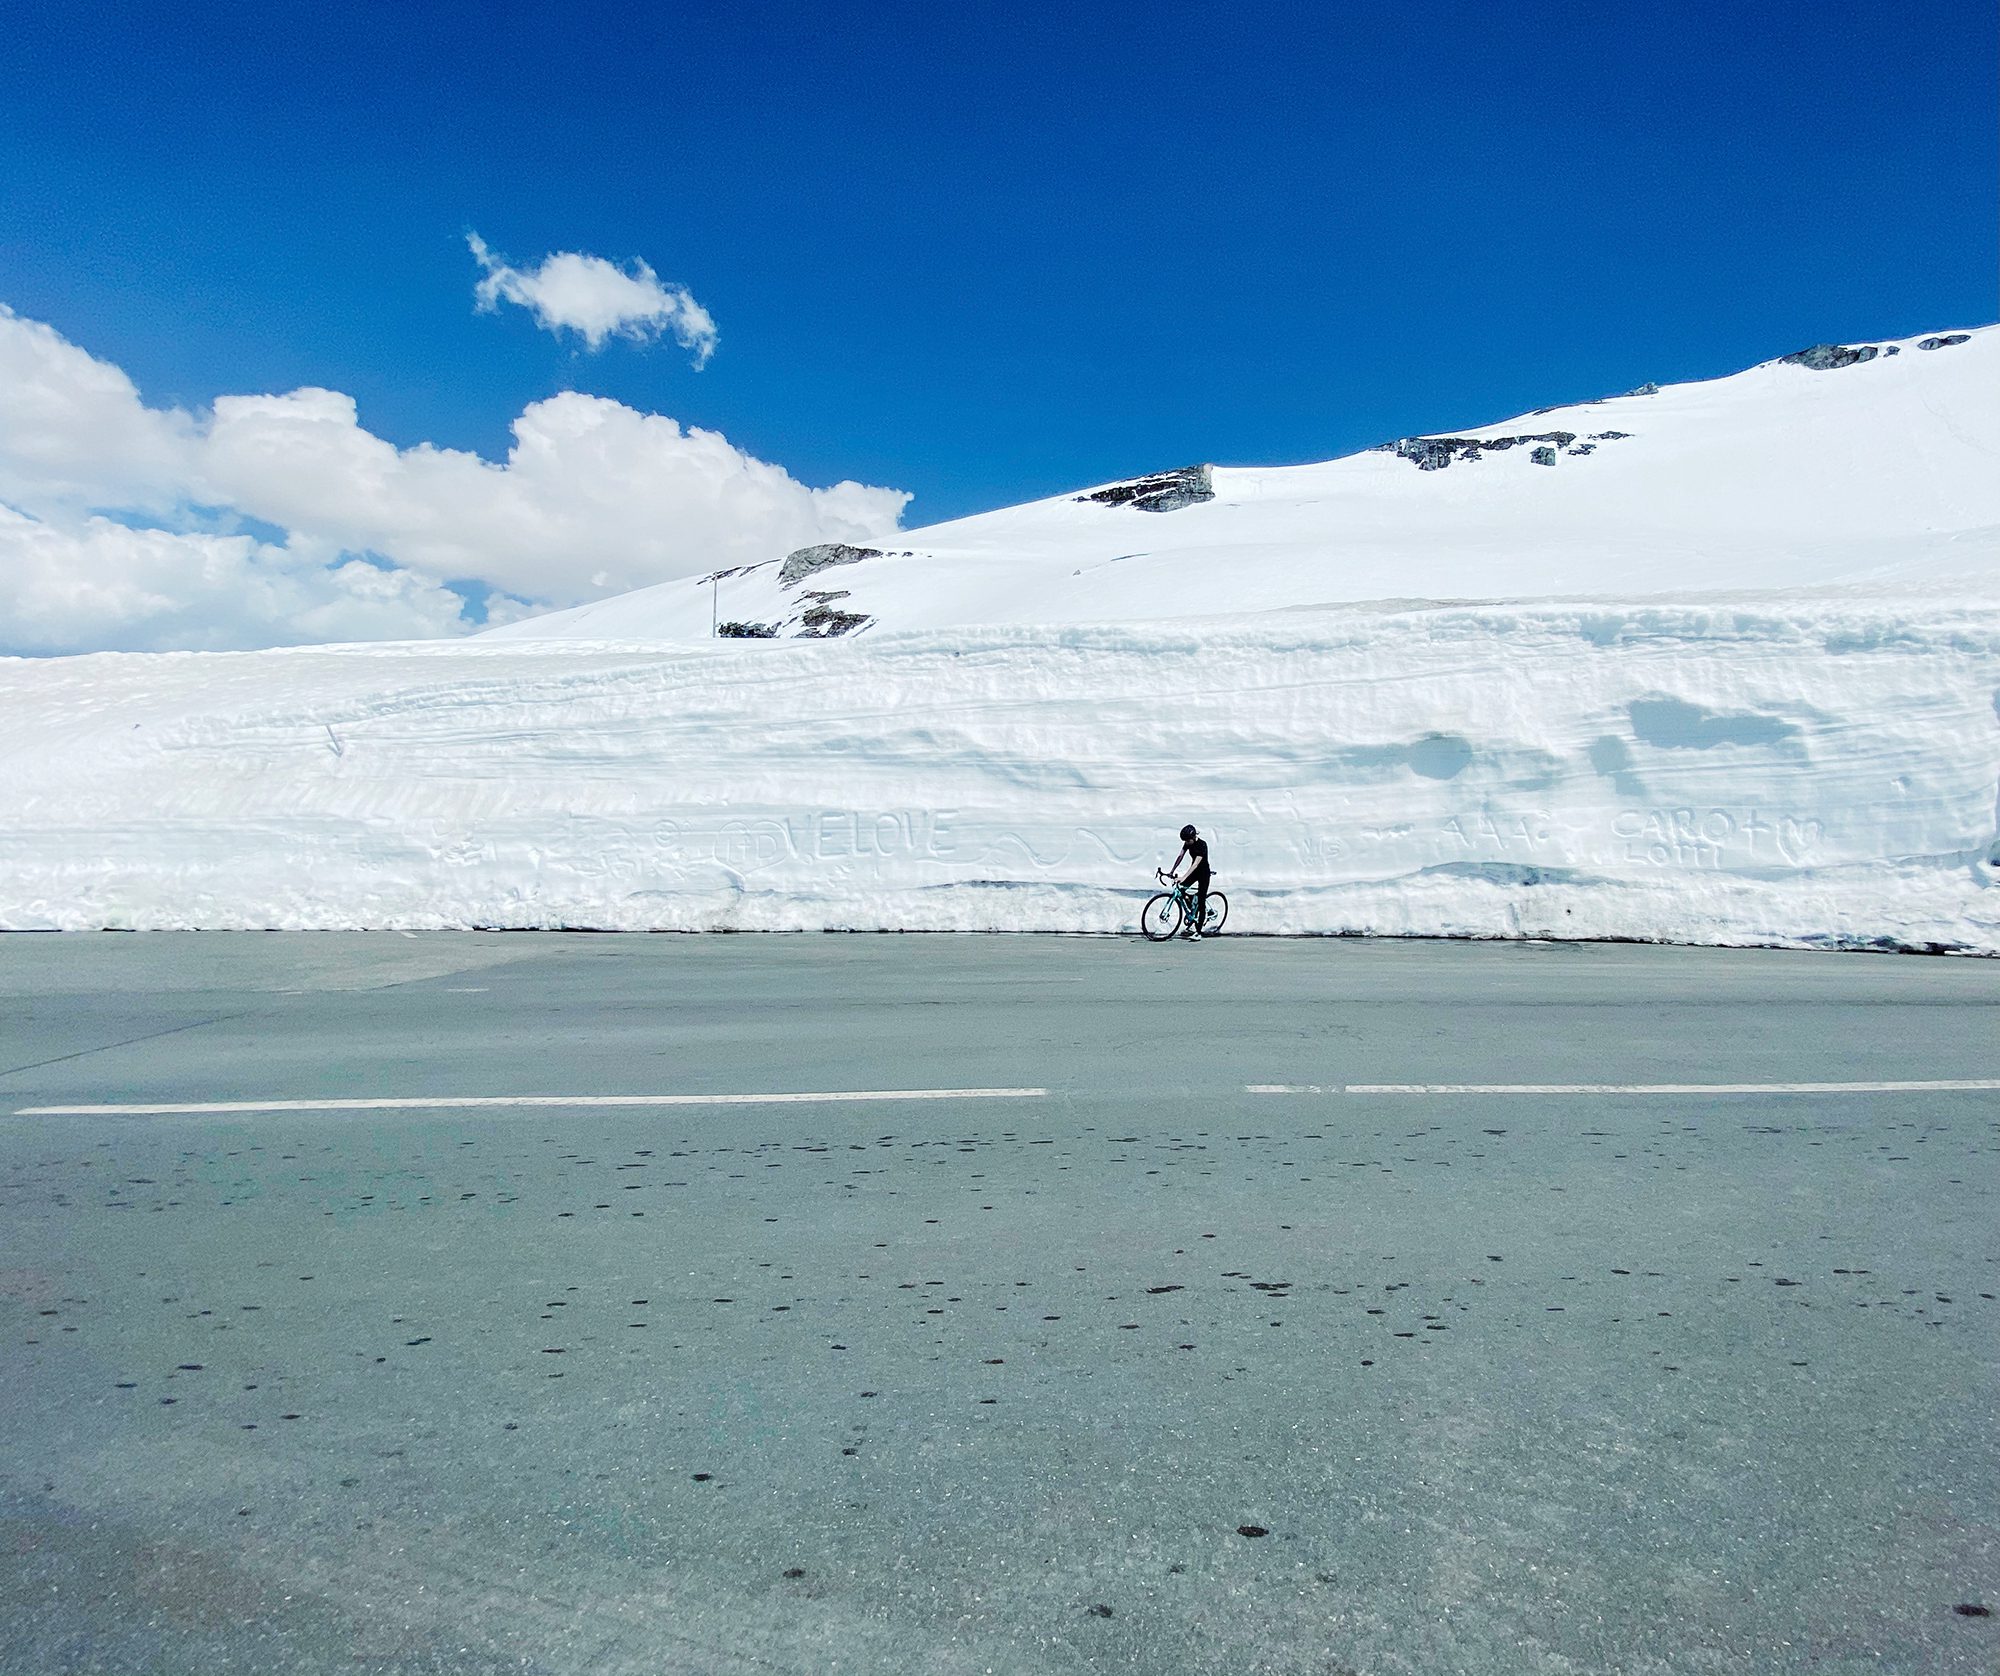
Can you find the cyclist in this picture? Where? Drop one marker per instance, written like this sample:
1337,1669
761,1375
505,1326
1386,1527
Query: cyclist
1194,851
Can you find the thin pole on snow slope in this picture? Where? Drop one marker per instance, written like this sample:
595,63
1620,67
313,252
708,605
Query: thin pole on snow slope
714,585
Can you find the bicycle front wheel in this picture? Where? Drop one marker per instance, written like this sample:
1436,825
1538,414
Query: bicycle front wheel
1218,911
1161,917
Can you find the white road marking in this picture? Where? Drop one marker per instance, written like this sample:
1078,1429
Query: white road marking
479,989
1958,1086
485,1101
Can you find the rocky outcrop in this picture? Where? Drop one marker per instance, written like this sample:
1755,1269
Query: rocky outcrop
1429,453
807,560
1434,453
1826,357
1164,491
746,631
1946,341
1615,396
821,620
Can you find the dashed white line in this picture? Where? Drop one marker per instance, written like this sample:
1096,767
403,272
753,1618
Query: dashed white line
482,1102
1960,1085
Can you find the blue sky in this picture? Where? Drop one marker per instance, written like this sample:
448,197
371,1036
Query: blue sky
985,253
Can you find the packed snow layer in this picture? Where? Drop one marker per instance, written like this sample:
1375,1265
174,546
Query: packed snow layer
1820,770
1878,464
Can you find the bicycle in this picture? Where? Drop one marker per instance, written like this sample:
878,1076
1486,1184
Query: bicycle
1166,913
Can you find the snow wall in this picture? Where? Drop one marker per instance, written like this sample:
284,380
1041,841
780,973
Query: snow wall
1807,771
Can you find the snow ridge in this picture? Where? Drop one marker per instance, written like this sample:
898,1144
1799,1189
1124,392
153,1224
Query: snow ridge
1816,770
1864,463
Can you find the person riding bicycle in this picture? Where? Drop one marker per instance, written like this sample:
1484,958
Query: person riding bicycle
1194,851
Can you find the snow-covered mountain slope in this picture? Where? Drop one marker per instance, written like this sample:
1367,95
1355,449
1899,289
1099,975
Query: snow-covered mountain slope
1862,463
1810,770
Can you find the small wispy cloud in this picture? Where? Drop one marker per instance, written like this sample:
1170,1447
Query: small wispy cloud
569,291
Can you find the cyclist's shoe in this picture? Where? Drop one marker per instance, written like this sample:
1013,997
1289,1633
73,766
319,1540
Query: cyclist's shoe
1192,936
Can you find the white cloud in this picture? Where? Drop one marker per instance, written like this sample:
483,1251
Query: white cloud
101,586
593,498
73,431
570,291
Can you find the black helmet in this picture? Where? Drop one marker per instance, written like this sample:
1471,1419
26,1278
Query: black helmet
1187,832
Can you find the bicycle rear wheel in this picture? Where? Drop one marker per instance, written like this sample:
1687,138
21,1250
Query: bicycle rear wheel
1218,911
1161,917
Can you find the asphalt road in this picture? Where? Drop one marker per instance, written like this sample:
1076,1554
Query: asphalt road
1145,1372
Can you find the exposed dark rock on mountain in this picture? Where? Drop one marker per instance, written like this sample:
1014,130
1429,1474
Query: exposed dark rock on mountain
1944,342
1434,453
1164,491
821,620
747,631
801,564
1825,357
1429,453
1609,436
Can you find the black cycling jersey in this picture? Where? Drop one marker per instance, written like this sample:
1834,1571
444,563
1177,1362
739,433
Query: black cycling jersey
1197,849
